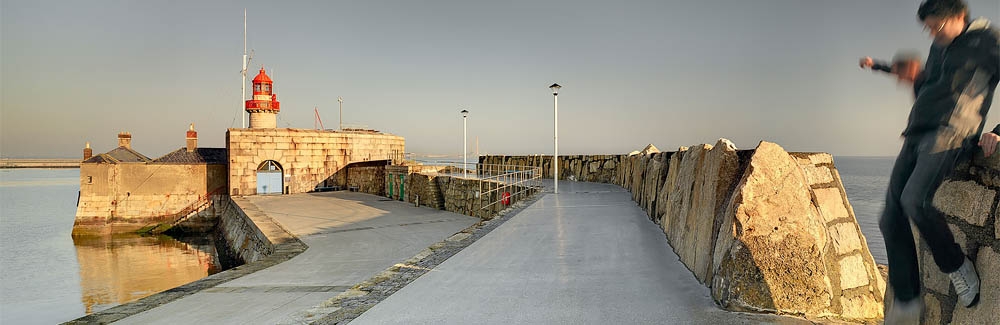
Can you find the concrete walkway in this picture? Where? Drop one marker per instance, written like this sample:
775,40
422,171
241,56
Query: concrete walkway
351,237
588,255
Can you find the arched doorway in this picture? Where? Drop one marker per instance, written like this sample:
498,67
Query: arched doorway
269,178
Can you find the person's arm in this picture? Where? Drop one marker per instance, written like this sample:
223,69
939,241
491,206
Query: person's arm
968,70
881,66
875,65
917,83
972,80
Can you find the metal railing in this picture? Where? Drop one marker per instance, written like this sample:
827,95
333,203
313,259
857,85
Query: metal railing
506,184
499,185
447,168
262,104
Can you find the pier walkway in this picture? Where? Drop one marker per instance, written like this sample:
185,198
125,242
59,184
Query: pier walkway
351,237
588,255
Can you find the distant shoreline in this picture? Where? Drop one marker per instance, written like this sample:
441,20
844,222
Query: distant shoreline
38,163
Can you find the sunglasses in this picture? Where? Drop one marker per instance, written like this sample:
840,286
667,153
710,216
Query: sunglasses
938,30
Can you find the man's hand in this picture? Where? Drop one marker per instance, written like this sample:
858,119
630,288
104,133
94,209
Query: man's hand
989,143
866,62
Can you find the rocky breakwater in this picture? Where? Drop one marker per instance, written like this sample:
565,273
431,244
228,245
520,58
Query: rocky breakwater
969,199
764,229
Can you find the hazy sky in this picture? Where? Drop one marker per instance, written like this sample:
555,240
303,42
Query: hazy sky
670,73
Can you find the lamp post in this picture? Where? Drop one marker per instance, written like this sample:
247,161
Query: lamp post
555,137
341,100
465,141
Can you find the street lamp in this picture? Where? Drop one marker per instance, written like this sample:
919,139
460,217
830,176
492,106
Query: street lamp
555,137
465,141
341,100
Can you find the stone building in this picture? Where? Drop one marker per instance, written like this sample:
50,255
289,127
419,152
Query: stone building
267,160
122,190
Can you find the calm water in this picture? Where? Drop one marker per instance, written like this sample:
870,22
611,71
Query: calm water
46,276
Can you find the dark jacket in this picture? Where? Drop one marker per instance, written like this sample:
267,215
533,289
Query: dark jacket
957,85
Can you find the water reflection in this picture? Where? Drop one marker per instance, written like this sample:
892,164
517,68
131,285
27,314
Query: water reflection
120,269
48,277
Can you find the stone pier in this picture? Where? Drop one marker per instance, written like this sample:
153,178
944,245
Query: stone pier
765,230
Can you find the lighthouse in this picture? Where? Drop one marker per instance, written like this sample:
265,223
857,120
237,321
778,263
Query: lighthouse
264,105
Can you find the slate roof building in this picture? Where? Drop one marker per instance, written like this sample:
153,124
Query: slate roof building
123,190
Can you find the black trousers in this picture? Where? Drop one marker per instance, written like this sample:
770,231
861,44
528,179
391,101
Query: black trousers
925,160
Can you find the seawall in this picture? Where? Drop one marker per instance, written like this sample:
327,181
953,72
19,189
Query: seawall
126,197
249,233
432,186
969,199
765,230
39,163
671,186
252,241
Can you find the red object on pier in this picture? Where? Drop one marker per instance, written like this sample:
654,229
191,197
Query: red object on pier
505,199
263,97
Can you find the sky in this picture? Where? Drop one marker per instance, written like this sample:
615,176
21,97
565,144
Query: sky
670,73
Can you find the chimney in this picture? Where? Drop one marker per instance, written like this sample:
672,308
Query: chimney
125,140
192,139
87,152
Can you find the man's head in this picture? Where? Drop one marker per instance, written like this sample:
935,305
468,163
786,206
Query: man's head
944,20
906,66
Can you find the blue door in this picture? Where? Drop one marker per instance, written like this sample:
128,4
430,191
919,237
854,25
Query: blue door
269,183
269,178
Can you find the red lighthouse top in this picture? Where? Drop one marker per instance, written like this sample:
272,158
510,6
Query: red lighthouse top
261,77
263,97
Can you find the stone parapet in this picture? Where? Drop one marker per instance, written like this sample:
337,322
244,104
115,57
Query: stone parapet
584,168
969,200
249,233
764,229
466,196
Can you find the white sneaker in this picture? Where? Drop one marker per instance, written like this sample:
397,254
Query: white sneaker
905,312
966,283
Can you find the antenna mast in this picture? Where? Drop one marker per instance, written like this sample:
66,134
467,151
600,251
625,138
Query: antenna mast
243,86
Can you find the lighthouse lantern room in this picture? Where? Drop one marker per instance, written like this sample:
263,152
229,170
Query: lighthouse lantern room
264,105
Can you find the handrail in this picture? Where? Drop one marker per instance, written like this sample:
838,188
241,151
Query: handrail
183,214
197,204
513,180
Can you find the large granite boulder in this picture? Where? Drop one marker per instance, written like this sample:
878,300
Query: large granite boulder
638,172
680,201
775,252
649,149
673,167
713,182
655,170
